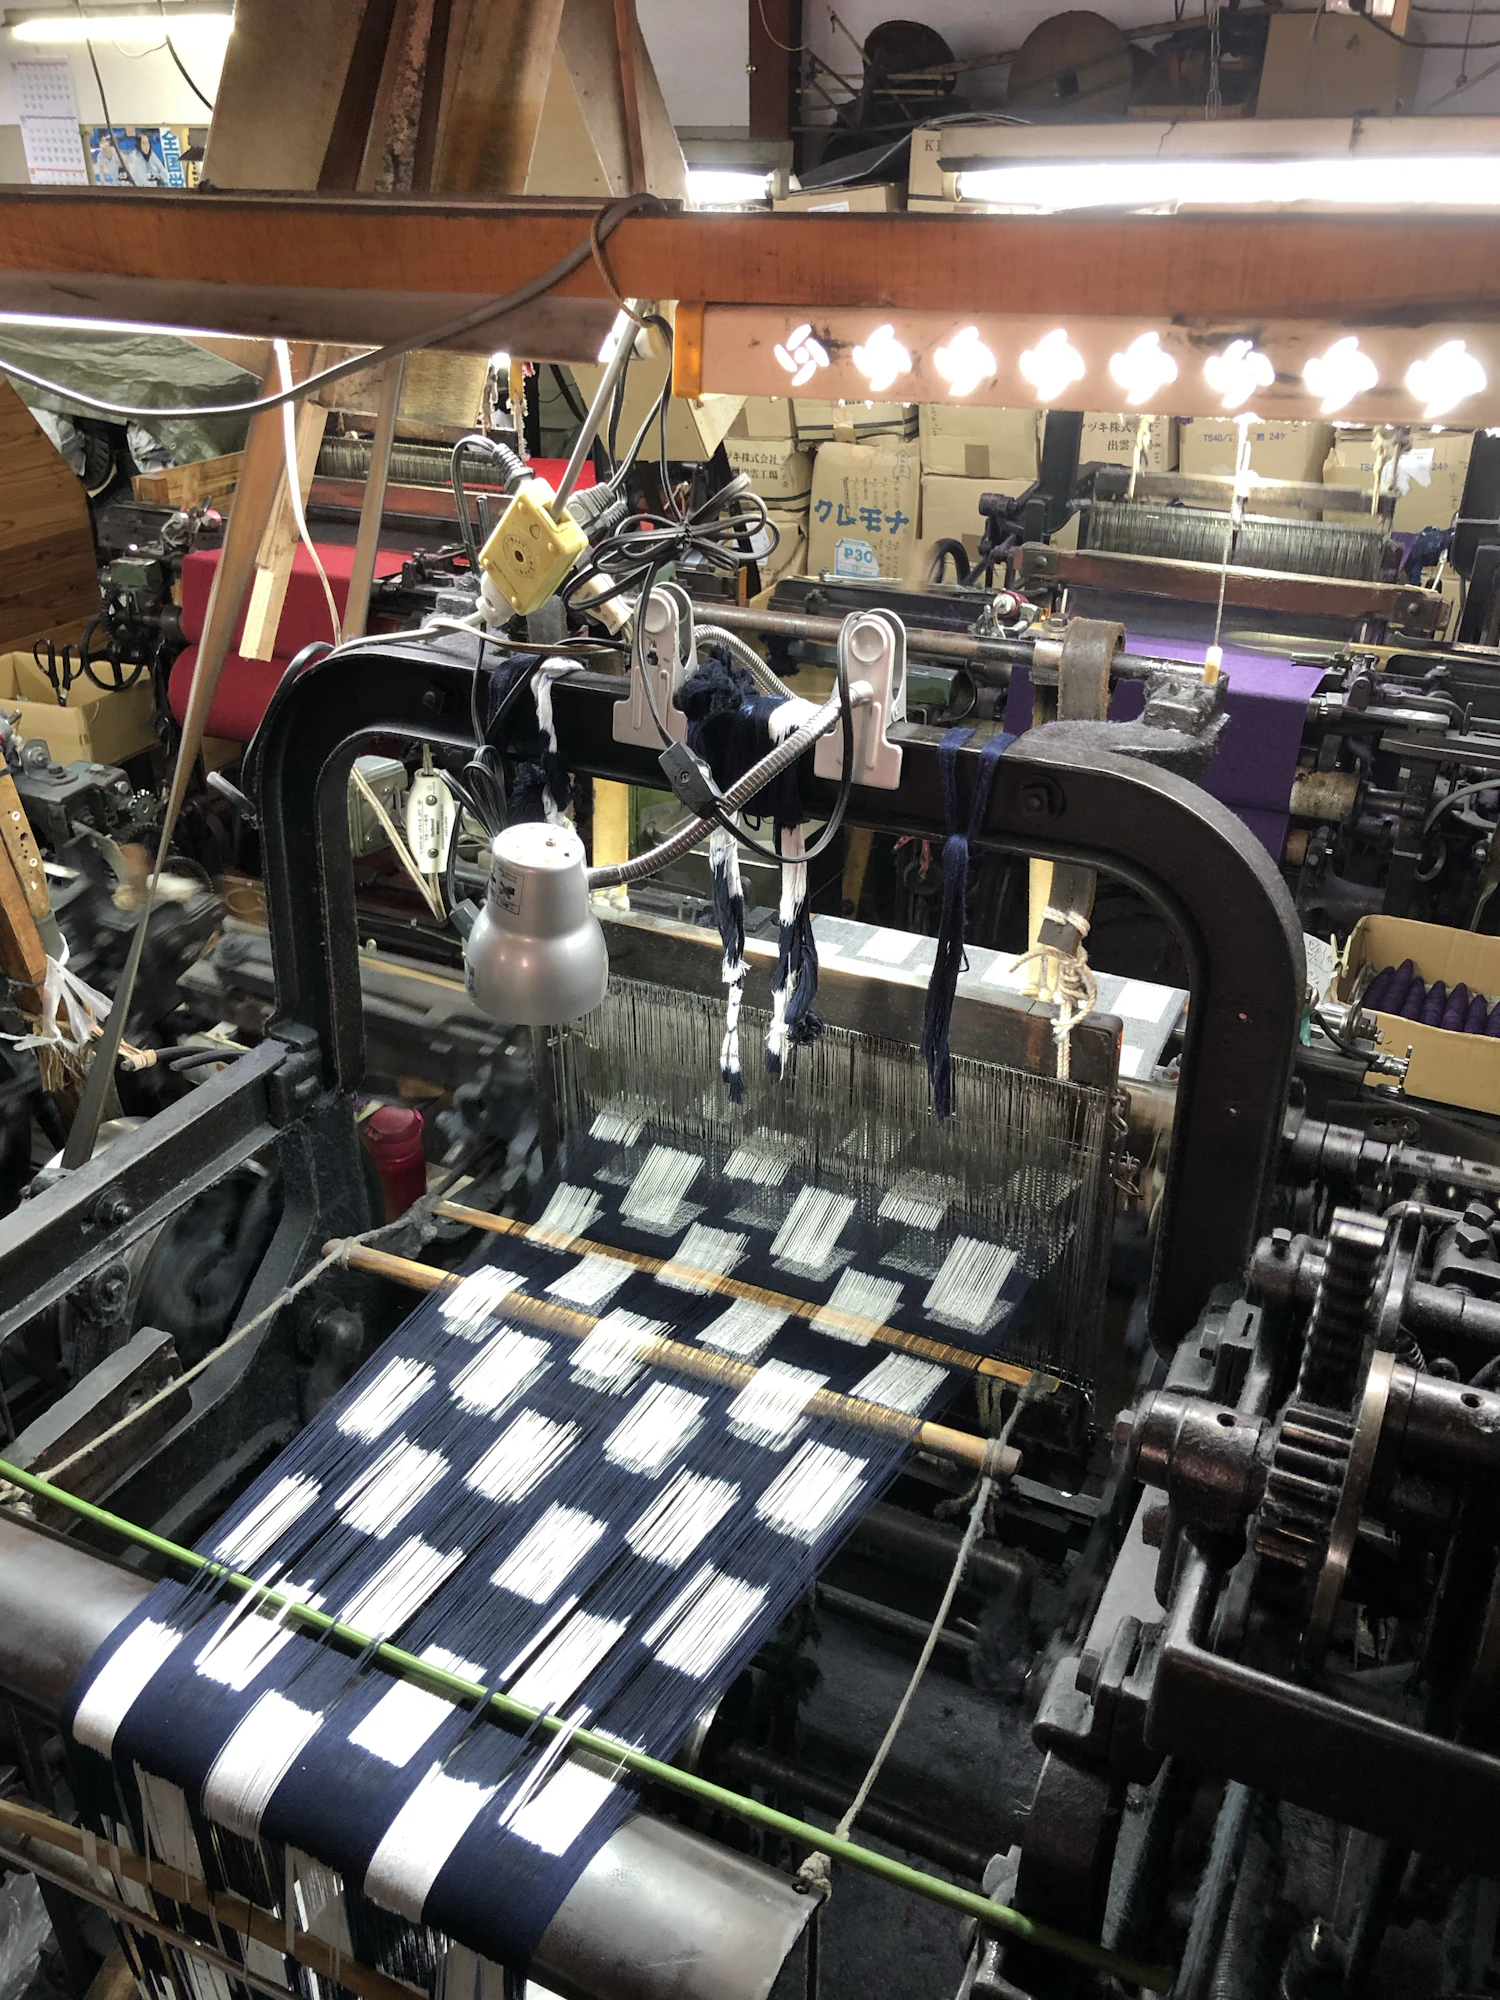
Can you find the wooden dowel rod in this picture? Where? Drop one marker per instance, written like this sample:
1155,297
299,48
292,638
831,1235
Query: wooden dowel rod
235,1912
833,1317
984,1455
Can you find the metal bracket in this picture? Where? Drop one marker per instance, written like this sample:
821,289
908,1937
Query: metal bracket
872,645
669,653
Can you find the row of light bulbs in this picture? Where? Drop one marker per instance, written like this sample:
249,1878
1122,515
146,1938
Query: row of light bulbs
1447,377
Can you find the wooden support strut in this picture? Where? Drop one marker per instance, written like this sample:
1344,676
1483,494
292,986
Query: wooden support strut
984,1455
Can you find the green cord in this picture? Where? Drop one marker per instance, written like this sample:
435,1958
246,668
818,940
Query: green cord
996,1916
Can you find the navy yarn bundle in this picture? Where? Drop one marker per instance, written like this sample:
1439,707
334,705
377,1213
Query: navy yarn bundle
731,726
948,963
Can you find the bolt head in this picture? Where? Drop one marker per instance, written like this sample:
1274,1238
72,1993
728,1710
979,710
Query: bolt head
1471,1241
1281,1242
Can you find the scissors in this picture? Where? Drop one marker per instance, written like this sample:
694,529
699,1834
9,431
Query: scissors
61,669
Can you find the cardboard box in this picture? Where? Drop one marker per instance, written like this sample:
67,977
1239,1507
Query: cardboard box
866,509
789,557
980,444
779,470
885,198
1109,439
1428,478
1446,1068
853,423
1277,451
1322,66
695,427
95,725
766,417
950,509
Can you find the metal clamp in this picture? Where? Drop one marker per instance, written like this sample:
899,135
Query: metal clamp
872,647
668,653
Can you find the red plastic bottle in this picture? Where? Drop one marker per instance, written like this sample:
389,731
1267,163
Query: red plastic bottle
394,1137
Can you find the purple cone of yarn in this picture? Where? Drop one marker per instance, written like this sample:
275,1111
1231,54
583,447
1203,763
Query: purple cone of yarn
1492,1025
1415,1000
1477,1015
1401,985
1378,992
1436,1001
1456,1009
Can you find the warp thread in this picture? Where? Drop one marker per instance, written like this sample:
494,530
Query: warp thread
948,963
541,788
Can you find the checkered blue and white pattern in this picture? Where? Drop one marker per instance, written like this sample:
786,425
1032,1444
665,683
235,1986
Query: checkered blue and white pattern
545,1515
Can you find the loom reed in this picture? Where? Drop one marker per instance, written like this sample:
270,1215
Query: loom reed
983,1455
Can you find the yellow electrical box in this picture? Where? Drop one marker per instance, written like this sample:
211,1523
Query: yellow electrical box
529,553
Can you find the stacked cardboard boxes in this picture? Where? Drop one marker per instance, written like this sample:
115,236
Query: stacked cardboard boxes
1428,476
1277,451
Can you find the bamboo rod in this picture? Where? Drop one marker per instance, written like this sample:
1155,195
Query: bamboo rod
984,1455
235,1912
833,1317
622,1756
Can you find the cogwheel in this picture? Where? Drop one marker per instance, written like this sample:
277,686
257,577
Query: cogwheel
1338,1329
1303,1484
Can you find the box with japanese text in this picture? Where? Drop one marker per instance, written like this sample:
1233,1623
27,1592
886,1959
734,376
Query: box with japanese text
866,506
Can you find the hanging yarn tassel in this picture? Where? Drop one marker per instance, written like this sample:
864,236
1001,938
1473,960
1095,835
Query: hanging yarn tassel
729,914
948,963
793,1022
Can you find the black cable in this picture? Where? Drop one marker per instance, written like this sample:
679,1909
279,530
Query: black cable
109,123
569,394
477,441
206,102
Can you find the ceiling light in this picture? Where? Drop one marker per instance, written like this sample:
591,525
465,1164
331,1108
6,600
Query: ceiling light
727,187
1053,365
1356,180
1143,368
965,362
121,24
1236,374
1448,377
1340,375
536,954
881,359
800,355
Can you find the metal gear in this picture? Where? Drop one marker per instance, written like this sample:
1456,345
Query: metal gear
1339,1330
1303,1483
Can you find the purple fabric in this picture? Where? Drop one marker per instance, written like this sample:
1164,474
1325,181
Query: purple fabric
1257,757
1416,1000
1477,1015
1437,1000
1457,1009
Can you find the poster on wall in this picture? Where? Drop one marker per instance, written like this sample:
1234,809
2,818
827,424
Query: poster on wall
136,156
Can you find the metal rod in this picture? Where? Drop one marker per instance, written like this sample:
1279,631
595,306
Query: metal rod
825,631
832,1317
618,362
984,1455
997,1916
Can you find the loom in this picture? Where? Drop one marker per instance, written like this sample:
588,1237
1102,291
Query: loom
1026,1162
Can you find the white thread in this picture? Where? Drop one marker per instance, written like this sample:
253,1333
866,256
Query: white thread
655,1429
654,1199
900,1382
917,1201
716,1251
769,1409
557,1815
591,1281
383,1495
686,1510
470,1307
570,1211
399,1588
703,1621
505,1369
419,1840
241,1647
562,1666
258,1755
966,1291
535,1641
548,1553
267,1521
168,1827
858,1295
120,1681
521,1457
609,1358
808,1240
756,1163
744,1330
386,1400
617,1127
406,1715
810,1492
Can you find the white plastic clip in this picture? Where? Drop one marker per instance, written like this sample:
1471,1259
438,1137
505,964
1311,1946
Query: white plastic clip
872,645
669,651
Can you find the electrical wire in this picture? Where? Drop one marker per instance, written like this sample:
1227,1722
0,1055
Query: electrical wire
514,469
608,221
206,102
1456,797
109,123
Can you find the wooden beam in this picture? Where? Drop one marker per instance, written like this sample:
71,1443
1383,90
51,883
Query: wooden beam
490,122
615,82
49,578
775,66
385,257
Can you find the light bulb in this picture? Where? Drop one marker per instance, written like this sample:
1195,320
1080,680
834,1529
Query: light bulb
1448,377
1340,375
727,187
801,356
965,362
881,359
1052,365
1143,368
1237,373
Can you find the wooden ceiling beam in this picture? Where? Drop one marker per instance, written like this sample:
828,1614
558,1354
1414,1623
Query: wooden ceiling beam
240,261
